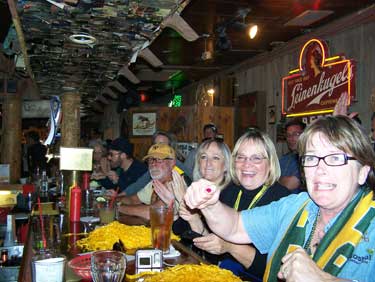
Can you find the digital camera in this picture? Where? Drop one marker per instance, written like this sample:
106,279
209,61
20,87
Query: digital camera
149,259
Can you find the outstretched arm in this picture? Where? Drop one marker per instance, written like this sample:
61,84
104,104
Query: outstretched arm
204,195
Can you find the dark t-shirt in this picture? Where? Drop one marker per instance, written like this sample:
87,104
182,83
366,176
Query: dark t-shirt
229,196
36,156
135,170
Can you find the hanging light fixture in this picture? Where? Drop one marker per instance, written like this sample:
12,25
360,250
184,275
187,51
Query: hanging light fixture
253,31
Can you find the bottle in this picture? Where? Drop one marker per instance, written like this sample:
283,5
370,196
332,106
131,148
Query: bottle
60,190
88,197
44,182
36,179
10,237
85,180
75,204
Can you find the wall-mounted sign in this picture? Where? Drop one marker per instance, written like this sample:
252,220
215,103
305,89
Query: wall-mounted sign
36,109
316,85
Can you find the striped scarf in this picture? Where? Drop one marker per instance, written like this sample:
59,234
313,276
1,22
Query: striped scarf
339,242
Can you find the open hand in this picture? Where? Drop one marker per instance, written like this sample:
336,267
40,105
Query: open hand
211,243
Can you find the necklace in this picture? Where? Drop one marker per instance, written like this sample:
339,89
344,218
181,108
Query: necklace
307,245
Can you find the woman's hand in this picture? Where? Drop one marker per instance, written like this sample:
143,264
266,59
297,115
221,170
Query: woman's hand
164,192
341,107
98,175
201,194
105,165
188,214
298,266
212,244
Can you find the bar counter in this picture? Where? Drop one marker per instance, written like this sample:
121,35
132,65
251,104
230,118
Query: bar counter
187,256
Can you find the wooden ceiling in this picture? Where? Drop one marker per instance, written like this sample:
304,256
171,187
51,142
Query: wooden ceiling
121,28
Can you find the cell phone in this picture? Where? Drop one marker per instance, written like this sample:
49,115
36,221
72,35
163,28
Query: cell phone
190,235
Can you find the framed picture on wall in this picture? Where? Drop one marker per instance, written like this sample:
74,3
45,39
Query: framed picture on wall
143,124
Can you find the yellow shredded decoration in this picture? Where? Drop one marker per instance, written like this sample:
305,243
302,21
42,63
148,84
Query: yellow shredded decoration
103,238
193,273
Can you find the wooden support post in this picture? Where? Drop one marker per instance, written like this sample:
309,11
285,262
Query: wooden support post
21,37
70,125
12,135
70,135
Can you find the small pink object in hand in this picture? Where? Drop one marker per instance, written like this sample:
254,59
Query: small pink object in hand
208,190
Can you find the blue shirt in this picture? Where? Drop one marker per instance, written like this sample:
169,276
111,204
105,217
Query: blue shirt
266,226
289,165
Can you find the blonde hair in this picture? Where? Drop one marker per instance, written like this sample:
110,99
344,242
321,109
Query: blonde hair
227,161
262,139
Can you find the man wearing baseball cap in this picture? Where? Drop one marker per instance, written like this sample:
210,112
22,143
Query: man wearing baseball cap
166,186
124,168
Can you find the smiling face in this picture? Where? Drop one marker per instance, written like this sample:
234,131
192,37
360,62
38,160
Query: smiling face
212,164
332,187
250,175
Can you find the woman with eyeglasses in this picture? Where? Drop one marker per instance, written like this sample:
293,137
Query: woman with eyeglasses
325,234
254,170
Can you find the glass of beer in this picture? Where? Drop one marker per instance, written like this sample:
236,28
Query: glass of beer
161,219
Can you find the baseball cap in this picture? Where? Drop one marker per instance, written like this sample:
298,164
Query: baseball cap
123,145
160,151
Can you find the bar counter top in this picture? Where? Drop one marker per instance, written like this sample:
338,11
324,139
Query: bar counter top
187,256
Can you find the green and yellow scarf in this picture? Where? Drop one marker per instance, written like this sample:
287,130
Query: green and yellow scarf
339,242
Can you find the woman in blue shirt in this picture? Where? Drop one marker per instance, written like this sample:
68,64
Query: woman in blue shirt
323,235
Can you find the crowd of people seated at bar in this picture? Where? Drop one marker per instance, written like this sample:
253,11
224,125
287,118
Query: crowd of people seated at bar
240,205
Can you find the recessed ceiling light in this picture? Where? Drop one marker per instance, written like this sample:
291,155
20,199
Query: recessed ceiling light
83,39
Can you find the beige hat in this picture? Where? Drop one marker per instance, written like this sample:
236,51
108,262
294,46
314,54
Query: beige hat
160,151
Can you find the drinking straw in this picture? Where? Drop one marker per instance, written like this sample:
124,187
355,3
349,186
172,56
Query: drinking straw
113,198
42,224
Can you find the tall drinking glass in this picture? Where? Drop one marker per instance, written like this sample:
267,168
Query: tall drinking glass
161,219
108,266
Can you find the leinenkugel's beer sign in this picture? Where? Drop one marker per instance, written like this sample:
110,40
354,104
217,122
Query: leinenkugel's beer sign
316,85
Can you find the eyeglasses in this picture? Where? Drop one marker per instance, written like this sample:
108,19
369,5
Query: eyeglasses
294,134
156,160
254,159
338,159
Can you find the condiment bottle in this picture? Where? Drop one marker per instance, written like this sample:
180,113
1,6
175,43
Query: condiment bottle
75,204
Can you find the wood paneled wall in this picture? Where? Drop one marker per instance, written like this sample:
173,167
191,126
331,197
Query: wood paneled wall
186,122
